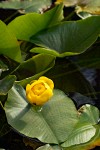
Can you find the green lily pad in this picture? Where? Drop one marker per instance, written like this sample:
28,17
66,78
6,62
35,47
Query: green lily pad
53,123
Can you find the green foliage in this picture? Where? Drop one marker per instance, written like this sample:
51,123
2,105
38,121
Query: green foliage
34,45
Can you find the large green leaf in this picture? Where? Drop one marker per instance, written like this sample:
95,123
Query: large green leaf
27,25
6,84
69,37
53,123
34,67
8,43
26,5
68,77
84,130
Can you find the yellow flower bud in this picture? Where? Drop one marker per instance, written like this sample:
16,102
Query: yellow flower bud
39,91
58,1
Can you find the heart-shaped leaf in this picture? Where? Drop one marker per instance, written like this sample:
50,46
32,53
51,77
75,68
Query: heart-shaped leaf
69,37
53,123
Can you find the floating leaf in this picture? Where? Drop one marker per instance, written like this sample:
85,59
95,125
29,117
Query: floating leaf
8,43
69,37
53,123
6,84
26,6
27,25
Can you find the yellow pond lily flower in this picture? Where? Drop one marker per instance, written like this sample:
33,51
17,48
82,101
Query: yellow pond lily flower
39,91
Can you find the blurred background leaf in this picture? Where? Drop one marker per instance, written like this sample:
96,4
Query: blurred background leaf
26,6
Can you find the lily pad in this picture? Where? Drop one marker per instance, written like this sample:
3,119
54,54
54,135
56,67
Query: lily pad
53,123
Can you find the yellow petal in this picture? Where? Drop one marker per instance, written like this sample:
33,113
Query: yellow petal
48,81
27,88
